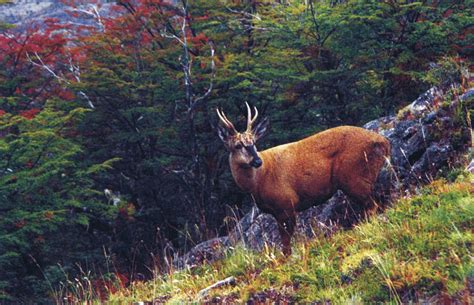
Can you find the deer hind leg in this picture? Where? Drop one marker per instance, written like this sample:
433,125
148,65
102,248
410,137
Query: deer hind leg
357,172
286,226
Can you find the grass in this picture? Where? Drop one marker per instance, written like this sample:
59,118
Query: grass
420,249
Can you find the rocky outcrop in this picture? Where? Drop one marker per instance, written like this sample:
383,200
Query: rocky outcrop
24,13
428,137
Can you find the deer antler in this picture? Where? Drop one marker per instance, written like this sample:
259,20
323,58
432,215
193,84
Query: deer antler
250,119
228,124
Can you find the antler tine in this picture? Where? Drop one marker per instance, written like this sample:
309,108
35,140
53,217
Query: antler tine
226,121
223,118
250,119
256,114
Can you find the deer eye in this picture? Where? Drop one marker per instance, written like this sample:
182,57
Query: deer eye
238,146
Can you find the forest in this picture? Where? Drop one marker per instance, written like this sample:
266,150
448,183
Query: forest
110,163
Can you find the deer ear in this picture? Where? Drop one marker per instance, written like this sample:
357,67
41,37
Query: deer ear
261,129
223,133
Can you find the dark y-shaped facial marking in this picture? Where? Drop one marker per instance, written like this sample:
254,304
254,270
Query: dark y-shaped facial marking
248,141
256,161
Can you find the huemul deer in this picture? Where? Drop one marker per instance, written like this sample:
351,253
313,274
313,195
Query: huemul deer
293,177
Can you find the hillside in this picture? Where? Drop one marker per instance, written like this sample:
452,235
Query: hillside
22,13
419,250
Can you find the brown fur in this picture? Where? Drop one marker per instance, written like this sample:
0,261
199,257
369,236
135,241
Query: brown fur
298,175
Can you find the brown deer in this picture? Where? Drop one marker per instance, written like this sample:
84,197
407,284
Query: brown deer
293,177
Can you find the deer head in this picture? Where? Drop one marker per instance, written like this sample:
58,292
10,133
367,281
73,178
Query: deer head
242,145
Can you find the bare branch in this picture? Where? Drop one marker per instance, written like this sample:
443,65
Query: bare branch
246,14
45,67
165,34
93,11
186,63
75,70
211,81
225,282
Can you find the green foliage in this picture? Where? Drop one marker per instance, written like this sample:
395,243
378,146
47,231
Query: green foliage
421,248
447,71
49,209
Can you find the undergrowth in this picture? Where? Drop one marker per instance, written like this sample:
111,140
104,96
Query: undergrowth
421,249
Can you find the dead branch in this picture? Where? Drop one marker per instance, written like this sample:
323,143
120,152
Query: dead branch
225,282
74,69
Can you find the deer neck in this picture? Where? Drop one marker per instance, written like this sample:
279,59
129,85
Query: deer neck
247,178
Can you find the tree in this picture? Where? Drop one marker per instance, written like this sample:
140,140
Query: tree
51,216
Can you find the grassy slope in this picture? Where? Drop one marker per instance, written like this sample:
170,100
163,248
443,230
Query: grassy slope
421,249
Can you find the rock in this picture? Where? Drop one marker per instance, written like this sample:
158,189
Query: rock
207,251
264,230
426,137
470,167
425,102
244,225
23,13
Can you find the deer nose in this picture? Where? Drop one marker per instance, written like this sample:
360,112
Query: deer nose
256,162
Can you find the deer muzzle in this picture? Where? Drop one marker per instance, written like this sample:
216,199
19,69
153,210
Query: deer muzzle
256,161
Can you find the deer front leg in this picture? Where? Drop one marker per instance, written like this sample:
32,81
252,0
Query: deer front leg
286,226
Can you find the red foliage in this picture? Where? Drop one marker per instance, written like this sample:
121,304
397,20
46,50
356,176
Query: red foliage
29,114
2,112
26,55
201,18
447,13
105,287
20,224
199,40
66,95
